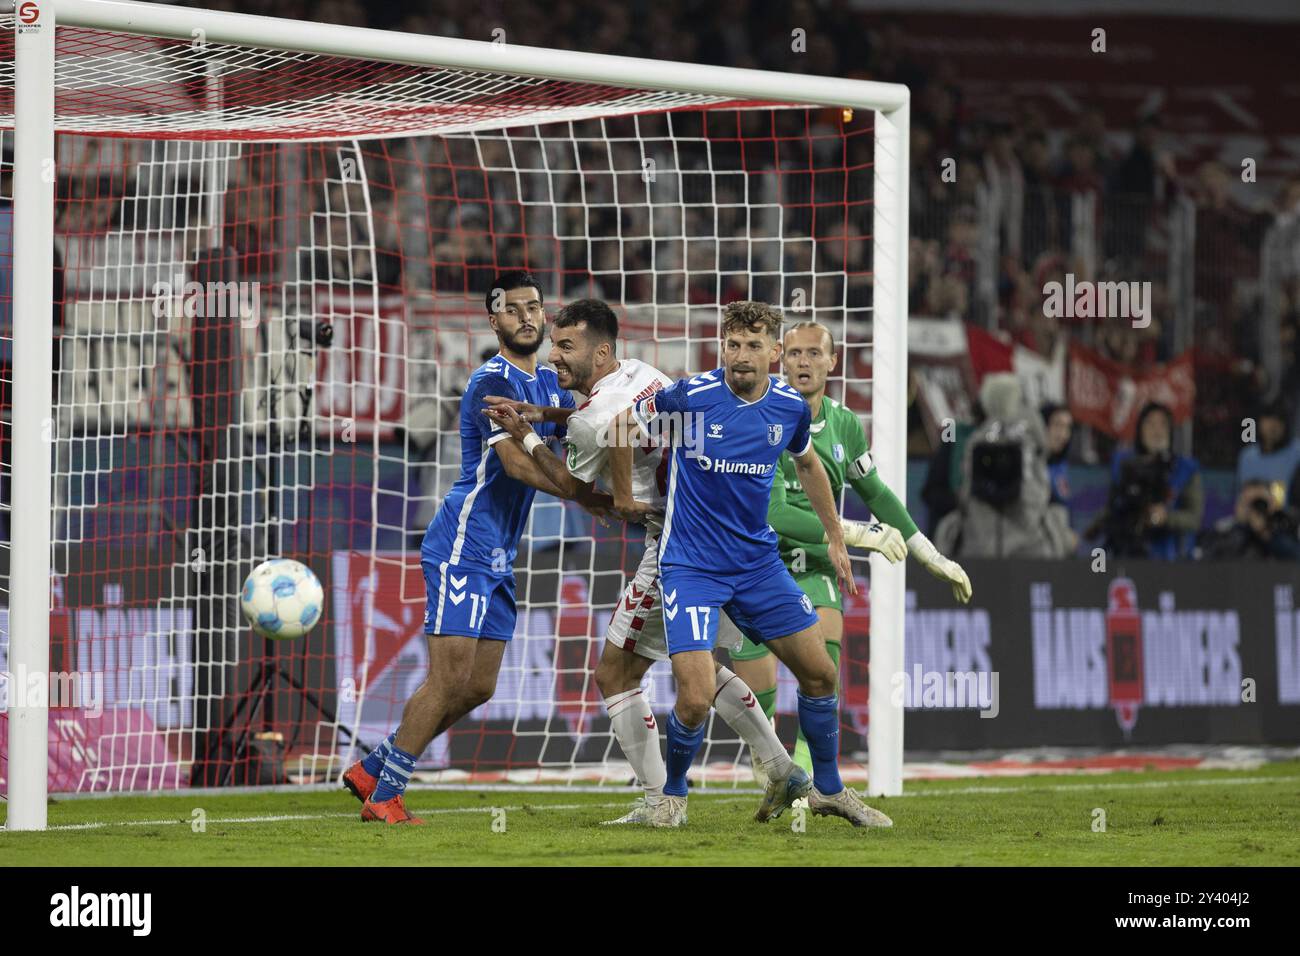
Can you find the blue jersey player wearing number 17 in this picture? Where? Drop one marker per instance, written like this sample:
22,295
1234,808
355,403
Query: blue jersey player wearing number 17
728,429
468,552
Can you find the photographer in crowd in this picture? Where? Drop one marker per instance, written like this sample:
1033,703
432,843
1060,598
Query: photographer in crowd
1260,527
1274,455
1156,499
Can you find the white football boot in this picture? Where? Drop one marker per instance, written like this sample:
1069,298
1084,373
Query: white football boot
639,814
847,804
668,812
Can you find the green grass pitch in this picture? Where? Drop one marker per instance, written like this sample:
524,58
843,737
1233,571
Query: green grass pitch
1176,818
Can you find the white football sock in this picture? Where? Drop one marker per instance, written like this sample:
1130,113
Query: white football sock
738,706
638,734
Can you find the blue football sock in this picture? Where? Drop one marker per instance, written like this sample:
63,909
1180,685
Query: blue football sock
395,776
683,743
819,719
373,763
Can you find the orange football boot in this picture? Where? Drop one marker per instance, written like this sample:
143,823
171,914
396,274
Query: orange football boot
359,782
392,810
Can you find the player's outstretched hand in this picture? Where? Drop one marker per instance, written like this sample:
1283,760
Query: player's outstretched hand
839,556
946,569
509,419
529,413
875,536
599,505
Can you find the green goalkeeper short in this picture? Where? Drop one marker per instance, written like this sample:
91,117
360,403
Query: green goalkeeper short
821,586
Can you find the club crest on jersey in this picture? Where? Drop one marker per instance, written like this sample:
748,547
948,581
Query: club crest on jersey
837,451
774,434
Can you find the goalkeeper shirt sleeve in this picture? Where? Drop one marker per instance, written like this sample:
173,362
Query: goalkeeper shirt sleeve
787,520
884,504
873,491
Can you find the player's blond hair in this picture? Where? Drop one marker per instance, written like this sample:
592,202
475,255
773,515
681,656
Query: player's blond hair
810,324
752,317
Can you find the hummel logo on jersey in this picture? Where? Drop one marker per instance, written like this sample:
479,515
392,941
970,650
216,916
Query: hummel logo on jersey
715,431
805,602
456,585
555,398
670,599
633,595
774,434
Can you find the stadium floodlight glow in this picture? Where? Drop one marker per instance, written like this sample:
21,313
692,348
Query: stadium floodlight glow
184,90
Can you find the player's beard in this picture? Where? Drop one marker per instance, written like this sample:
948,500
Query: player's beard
576,376
746,380
511,341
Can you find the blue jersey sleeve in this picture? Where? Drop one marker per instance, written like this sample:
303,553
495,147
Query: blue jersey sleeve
801,440
671,400
474,403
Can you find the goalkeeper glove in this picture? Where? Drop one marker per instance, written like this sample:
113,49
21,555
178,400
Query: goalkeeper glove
945,569
875,537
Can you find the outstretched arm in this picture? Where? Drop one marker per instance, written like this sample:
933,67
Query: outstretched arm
884,504
545,460
528,459
623,431
522,466
812,476
789,521
529,412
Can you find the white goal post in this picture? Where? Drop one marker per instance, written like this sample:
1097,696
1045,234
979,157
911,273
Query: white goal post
36,121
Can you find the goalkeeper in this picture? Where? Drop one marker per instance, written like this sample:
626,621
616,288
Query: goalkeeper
809,357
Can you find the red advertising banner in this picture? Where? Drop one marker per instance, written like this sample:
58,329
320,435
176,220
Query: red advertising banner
1108,395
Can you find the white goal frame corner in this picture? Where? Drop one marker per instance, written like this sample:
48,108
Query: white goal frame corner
36,22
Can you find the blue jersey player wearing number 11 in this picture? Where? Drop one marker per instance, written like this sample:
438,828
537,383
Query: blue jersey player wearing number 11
728,428
468,552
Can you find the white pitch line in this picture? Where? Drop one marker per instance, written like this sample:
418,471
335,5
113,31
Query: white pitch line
285,817
937,792
1074,787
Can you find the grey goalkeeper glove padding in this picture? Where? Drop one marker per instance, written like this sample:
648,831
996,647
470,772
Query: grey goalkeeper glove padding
875,537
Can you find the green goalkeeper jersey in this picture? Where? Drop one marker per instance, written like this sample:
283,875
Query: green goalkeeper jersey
841,444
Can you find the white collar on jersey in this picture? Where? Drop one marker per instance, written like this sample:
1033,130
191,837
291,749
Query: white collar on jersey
606,378
531,375
741,400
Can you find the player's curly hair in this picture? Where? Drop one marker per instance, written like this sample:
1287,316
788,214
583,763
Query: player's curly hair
752,317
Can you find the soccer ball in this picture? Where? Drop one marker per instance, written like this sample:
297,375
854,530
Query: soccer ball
282,599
